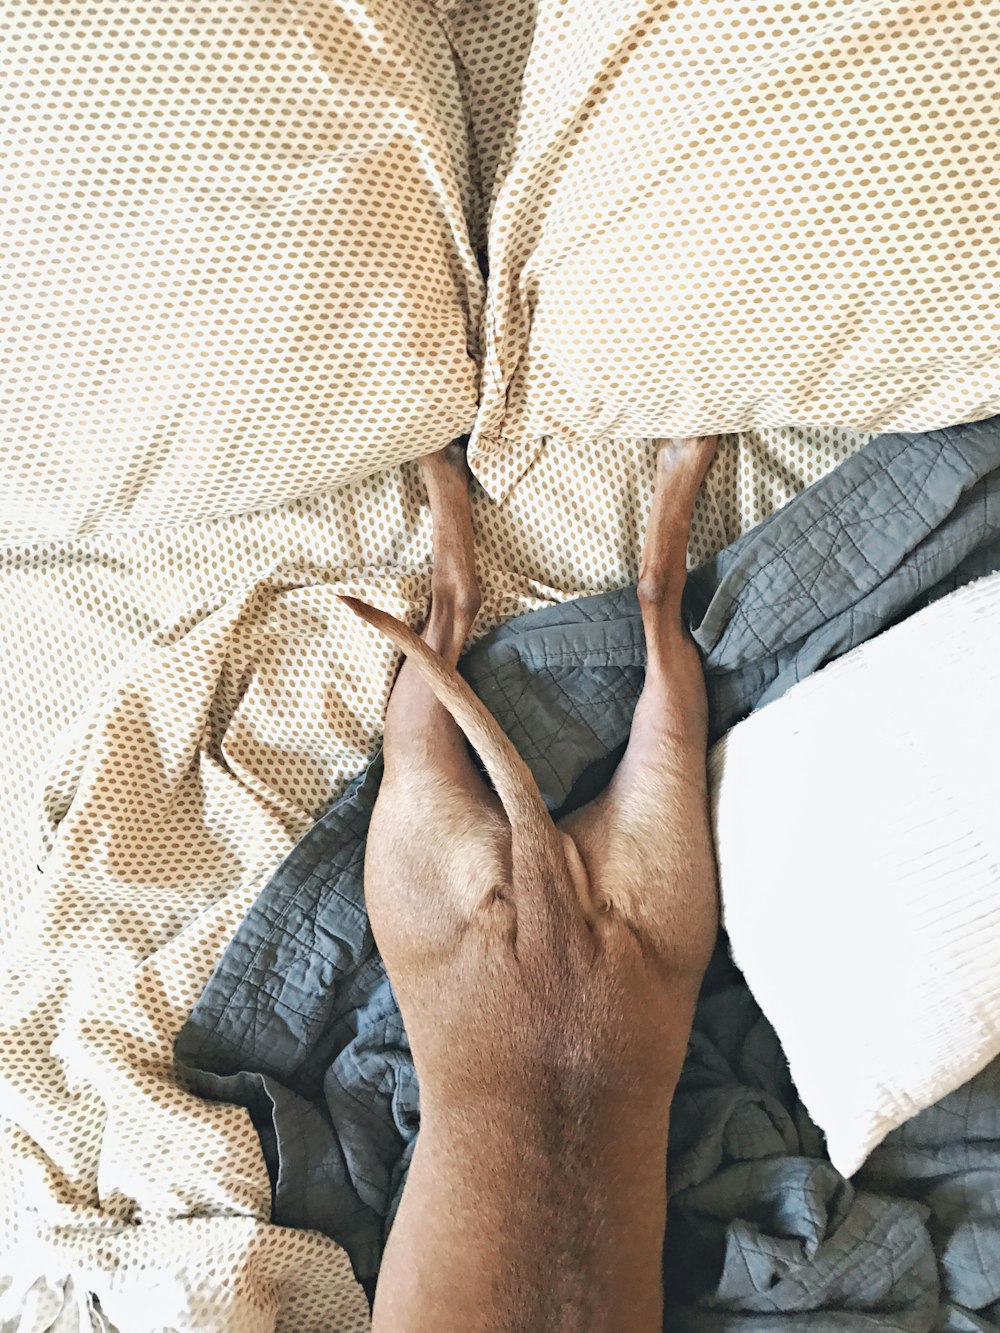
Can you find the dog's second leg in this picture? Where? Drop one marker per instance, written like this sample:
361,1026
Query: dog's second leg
418,730
646,839
436,822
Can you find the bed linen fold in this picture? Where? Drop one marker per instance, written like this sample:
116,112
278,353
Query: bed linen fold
299,1022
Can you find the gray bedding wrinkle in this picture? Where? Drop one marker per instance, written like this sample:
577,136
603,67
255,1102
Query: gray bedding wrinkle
299,1022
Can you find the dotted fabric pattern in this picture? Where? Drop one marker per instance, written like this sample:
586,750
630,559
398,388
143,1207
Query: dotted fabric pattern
721,217
491,43
177,706
237,239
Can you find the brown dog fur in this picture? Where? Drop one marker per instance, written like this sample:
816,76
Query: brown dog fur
547,975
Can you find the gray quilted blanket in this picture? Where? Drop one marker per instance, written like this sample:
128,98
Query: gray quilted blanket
299,1022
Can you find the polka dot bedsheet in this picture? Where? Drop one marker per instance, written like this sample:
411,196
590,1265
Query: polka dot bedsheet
181,693
715,217
177,706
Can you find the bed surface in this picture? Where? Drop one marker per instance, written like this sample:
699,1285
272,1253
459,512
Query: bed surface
299,1022
179,704
180,700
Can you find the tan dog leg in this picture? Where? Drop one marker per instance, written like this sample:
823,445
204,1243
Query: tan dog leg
436,821
645,840
417,728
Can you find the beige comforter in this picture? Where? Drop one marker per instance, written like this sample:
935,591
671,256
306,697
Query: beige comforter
237,293
176,707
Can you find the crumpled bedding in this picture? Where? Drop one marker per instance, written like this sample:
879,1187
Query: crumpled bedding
299,1024
181,697
178,705
765,1235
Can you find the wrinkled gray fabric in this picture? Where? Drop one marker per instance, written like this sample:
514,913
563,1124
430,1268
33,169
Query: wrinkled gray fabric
299,1022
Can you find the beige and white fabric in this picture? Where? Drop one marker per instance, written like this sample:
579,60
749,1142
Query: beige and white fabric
238,247
235,257
721,217
177,705
859,859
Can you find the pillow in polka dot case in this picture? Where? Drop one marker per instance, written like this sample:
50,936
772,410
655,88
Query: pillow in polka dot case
236,239
724,217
